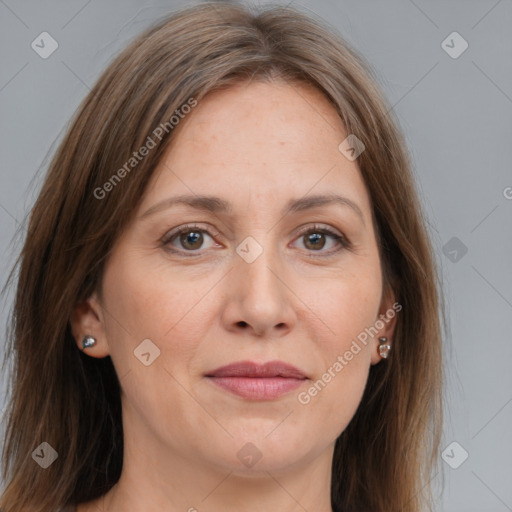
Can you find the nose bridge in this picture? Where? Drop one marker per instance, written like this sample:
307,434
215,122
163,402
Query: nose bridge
261,297
259,267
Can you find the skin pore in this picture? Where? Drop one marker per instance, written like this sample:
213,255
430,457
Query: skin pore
303,301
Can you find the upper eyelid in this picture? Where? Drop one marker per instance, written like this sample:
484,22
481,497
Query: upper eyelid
319,226
213,232
188,227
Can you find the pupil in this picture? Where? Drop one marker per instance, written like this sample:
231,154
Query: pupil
191,238
315,237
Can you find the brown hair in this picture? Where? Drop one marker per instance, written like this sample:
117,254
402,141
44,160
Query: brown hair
385,458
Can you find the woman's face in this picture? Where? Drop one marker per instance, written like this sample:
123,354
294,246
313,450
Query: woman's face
250,281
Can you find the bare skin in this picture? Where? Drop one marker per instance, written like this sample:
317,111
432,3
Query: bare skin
302,301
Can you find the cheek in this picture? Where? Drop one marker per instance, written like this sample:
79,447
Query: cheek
141,304
147,302
349,304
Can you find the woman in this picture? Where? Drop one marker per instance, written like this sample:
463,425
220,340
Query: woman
227,296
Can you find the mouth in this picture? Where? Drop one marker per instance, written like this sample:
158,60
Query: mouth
256,381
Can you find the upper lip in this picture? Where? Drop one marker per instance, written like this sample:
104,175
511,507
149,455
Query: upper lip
261,370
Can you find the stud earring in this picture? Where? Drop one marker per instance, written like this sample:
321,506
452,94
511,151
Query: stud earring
384,348
88,341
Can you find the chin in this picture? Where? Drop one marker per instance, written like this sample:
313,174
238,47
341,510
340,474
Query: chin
262,453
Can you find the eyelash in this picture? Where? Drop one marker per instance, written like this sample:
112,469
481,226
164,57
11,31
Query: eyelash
343,242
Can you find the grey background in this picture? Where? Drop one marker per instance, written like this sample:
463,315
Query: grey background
456,114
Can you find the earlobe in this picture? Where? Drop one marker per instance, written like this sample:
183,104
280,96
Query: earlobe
88,328
382,350
384,347
90,346
386,326
88,341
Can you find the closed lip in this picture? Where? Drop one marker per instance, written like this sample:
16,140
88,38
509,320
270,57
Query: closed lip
258,370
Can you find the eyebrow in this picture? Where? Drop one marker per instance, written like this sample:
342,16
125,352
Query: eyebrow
215,204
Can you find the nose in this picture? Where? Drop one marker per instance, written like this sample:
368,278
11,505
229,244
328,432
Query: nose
259,298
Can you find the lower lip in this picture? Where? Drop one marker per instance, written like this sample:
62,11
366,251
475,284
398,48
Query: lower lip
258,388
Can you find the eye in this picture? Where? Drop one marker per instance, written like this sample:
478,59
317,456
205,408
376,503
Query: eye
190,239
315,239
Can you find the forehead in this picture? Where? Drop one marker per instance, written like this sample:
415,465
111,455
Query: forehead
259,141
275,114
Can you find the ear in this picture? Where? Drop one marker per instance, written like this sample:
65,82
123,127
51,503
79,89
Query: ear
385,323
87,319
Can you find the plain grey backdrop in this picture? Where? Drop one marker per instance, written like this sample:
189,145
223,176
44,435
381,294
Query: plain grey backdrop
445,66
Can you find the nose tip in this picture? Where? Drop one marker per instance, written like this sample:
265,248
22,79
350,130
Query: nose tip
258,299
